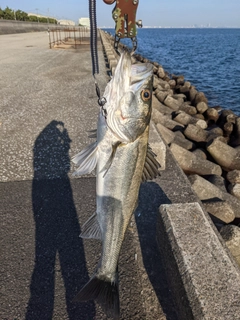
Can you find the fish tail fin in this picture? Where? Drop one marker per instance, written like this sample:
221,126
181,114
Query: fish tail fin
104,292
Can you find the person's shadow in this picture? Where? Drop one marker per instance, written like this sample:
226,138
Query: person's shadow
57,229
151,196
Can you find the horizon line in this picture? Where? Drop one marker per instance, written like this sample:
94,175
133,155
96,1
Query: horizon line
189,27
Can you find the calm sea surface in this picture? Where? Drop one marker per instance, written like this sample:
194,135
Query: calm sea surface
208,58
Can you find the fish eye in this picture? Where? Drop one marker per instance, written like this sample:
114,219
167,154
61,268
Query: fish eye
146,95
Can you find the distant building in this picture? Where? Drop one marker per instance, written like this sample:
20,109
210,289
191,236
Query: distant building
61,22
84,22
66,22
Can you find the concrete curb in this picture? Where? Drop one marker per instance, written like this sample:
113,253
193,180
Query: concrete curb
202,274
204,280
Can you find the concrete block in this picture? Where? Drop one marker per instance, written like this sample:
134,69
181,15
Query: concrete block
201,271
161,72
183,142
188,109
234,189
233,176
195,133
215,130
156,104
199,97
172,103
231,236
224,155
113,63
206,190
186,119
219,209
200,153
161,95
180,80
157,145
162,84
212,114
202,107
218,181
191,164
228,128
192,93
172,83
166,134
165,120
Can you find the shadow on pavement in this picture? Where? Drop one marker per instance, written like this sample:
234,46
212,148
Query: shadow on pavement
57,229
151,196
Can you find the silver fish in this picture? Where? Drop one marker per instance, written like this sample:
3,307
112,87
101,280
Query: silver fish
123,160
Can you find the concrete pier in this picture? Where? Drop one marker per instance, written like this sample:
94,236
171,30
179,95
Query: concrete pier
173,264
47,105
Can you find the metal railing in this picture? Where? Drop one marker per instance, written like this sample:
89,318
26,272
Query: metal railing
69,37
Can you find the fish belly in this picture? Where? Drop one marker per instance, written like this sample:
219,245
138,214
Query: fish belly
117,194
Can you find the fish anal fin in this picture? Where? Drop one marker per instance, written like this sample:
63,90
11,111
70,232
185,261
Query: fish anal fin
91,229
151,166
104,292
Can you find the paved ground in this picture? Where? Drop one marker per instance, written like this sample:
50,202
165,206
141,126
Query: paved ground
47,103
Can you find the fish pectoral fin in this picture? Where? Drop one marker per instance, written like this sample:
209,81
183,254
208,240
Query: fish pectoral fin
91,229
110,160
105,292
151,166
86,159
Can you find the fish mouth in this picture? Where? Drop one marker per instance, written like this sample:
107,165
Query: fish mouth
124,118
128,75
124,90
139,75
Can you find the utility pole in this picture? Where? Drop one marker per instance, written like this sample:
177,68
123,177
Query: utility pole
48,17
37,14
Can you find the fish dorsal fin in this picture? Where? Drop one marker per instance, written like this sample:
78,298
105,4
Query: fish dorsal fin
86,159
91,229
151,166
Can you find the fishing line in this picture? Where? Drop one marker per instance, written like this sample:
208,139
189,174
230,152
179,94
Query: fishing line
93,36
94,51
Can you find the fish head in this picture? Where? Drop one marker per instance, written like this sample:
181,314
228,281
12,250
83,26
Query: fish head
129,99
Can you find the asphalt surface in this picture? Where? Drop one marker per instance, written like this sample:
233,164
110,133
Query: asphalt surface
47,104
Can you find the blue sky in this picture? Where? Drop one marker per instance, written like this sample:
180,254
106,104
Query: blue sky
165,13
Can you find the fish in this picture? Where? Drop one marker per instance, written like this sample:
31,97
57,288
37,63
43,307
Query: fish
122,159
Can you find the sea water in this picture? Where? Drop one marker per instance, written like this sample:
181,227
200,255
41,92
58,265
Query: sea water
208,58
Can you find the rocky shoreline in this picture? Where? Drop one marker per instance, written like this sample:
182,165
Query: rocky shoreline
204,140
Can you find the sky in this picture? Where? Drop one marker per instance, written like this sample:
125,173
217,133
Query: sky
164,13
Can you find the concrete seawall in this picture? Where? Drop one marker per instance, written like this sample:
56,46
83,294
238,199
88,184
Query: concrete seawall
203,277
13,26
